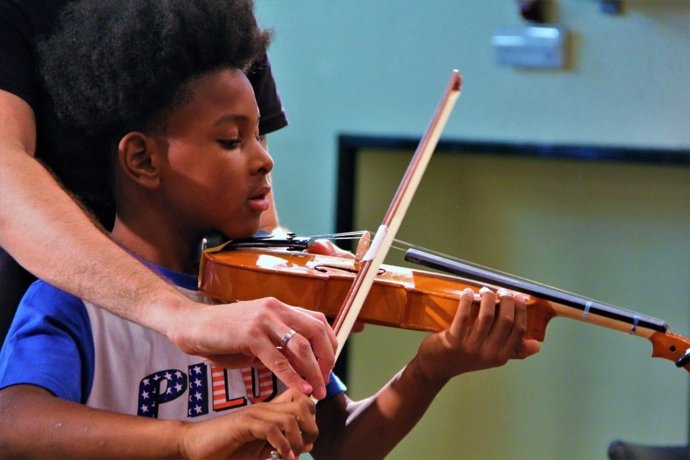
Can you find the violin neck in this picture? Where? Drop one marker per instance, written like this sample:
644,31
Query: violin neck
563,303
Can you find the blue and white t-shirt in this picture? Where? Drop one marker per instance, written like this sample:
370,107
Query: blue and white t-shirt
85,354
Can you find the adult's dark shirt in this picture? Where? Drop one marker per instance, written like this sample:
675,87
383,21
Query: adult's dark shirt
23,23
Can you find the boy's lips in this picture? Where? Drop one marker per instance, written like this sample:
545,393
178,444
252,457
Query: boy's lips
259,201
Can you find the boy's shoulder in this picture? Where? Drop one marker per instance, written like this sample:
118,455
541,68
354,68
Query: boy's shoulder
45,307
50,330
44,294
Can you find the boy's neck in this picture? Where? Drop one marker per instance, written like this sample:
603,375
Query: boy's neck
159,247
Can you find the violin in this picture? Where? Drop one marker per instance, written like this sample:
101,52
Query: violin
367,290
406,298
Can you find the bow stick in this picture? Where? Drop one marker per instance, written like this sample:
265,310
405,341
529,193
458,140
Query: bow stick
386,232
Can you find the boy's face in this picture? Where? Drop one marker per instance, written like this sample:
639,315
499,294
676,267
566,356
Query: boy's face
216,170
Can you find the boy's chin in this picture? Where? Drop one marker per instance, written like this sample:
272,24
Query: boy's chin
239,233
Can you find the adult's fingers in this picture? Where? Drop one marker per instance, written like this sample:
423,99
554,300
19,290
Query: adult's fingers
307,349
278,362
322,340
309,353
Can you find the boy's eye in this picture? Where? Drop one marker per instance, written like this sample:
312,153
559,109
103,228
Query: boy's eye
229,144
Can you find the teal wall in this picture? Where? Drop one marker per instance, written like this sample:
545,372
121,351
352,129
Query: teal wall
378,67
374,66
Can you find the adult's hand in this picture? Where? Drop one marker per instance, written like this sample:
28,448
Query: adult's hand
238,334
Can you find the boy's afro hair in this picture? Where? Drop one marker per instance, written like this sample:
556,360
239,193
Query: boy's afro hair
115,66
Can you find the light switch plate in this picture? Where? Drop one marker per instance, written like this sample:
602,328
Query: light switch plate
531,46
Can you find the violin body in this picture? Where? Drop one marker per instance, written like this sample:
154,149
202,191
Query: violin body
319,282
399,297
405,298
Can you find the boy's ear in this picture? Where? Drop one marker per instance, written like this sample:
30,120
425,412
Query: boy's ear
138,159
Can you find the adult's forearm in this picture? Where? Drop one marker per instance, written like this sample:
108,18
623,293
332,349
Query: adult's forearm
45,230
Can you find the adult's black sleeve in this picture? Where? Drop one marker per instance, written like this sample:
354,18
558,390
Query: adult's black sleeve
273,115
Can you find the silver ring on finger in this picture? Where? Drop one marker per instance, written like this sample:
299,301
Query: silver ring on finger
287,337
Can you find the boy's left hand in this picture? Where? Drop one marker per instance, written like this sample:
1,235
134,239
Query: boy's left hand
482,335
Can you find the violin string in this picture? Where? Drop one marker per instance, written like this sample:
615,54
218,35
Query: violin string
404,246
341,236
400,245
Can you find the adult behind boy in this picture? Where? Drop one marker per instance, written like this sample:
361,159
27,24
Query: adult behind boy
47,232
184,164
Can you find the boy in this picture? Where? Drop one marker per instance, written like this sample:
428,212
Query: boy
183,162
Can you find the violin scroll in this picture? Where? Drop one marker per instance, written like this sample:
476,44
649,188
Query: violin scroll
671,346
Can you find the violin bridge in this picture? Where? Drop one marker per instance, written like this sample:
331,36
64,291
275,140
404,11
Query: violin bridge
362,248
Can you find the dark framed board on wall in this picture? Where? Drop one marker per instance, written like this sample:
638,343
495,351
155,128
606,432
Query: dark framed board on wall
607,222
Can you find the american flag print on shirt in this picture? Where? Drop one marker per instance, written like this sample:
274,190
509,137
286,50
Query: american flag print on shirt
159,388
260,384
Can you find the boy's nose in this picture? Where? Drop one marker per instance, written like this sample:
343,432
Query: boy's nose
264,162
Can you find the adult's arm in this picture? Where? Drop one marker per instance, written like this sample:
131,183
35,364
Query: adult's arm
50,235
